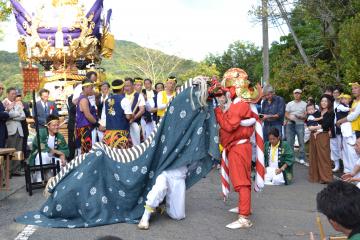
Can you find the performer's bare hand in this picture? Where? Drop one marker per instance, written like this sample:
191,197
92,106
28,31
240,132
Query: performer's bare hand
278,171
102,128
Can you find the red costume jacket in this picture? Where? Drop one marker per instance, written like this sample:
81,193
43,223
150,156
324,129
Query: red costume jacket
230,130
238,155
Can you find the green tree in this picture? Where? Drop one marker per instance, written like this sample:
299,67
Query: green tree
240,54
131,60
5,11
349,37
288,70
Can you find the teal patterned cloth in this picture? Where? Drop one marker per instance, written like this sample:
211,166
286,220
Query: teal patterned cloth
101,190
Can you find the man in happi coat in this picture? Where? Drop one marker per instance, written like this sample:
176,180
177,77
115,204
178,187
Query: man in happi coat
164,97
137,102
53,146
118,113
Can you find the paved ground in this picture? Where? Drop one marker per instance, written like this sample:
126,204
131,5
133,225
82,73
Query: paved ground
286,212
16,183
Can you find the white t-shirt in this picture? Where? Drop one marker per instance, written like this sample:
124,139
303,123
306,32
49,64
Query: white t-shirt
150,104
103,113
77,91
159,100
273,163
296,108
126,106
141,99
354,114
149,94
51,142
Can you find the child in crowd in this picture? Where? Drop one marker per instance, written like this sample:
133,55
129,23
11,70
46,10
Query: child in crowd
312,119
341,112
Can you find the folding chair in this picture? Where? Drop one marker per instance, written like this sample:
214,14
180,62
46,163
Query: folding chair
29,170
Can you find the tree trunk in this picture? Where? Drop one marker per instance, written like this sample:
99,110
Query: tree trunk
297,42
266,70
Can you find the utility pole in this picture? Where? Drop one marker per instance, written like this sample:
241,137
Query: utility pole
297,42
266,66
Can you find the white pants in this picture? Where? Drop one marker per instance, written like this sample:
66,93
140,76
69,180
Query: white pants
336,148
46,159
307,134
272,179
135,133
100,135
350,156
147,128
94,135
170,183
346,130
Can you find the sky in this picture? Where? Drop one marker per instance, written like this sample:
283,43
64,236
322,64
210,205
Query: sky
187,28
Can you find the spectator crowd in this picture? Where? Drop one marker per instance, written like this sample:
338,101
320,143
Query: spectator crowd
123,113
325,133
120,114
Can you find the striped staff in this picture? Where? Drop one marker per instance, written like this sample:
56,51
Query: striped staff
259,164
225,181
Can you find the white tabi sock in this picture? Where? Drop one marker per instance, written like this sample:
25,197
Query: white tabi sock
147,213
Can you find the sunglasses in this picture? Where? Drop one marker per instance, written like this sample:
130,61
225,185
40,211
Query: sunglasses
1,88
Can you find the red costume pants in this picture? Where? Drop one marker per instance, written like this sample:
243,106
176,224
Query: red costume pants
239,158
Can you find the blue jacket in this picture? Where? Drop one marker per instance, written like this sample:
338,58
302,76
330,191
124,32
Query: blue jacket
115,116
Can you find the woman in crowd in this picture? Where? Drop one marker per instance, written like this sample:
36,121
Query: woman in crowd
279,158
320,169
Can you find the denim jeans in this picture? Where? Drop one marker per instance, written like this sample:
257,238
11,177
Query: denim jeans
299,130
267,128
